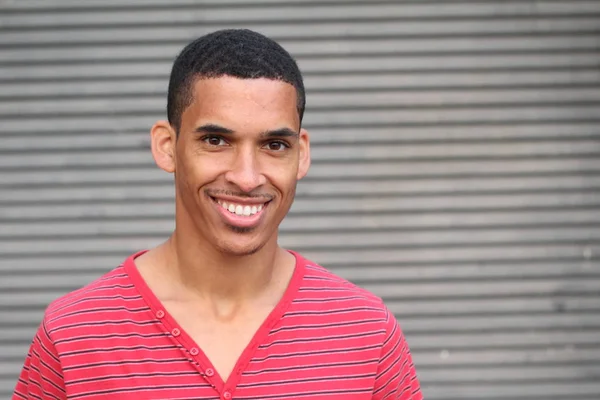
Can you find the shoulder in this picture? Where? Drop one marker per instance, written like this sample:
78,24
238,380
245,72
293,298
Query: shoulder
325,286
112,294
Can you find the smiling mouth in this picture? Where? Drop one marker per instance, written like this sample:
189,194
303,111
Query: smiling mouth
242,210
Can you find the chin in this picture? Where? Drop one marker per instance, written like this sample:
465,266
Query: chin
240,249
236,251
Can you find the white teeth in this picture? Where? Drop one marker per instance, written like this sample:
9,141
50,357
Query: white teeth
239,209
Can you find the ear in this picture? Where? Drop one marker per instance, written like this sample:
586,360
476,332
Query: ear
304,162
163,140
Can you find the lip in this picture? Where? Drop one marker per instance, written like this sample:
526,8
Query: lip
245,201
240,221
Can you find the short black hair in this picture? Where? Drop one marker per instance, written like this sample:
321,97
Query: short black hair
240,53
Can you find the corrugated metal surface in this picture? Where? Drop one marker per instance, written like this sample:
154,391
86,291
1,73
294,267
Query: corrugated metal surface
456,168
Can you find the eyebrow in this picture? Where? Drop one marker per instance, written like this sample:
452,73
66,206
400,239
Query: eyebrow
221,130
213,128
281,133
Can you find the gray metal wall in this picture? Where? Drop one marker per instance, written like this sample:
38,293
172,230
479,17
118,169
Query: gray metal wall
456,168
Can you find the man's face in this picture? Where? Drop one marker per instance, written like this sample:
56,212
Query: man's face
239,155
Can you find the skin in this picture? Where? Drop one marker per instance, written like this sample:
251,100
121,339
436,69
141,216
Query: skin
239,140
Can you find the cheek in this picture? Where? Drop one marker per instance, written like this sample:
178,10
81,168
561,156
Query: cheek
285,181
200,169
283,175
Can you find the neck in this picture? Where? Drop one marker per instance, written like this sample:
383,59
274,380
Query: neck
198,270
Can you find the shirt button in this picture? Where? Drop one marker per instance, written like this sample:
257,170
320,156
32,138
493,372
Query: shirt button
194,351
226,395
210,372
175,332
160,314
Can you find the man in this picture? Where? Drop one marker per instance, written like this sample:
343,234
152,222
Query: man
220,311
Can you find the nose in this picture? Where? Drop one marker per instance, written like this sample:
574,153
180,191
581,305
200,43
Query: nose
245,171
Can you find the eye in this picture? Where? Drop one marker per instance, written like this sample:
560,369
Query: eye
214,140
277,145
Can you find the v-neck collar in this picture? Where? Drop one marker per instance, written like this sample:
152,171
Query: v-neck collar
188,343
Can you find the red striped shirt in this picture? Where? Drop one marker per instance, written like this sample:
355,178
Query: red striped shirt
113,339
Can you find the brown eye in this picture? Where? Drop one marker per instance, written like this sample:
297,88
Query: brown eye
214,140
277,146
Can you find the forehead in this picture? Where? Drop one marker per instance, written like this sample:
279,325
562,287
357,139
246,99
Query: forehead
247,103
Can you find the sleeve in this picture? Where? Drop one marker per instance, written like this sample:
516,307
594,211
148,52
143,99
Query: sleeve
396,376
41,376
